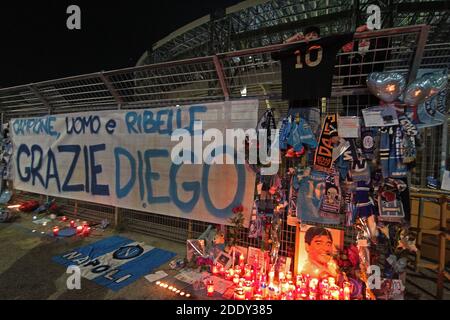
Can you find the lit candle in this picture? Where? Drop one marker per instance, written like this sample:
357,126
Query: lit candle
241,259
324,285
248,289
210,288
239,294
334,292
79,230
248,272
289,276
313,284
64,219
284,286
346,292
236,279
215,269
331,281
271,277
291,286
222,270
231,272
290,296
298,280
55,231
281,276
72,223
237,270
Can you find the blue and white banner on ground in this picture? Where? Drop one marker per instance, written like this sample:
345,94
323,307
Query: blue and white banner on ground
123,158
115,262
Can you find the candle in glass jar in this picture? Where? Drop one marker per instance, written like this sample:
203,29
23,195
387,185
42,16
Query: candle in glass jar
237,270
281,276
55,231
284,286
241,259
210,288
331,281
248,272
72,223
324,285
289,276
346,293
291,286
239,294
302,294
222,270
334,293
236,279
313,284
298,280
264,290
248,289
215,269
271,276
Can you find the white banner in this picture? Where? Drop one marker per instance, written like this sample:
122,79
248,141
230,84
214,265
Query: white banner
123,159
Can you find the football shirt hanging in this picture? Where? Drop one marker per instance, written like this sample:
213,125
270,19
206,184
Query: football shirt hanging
307,68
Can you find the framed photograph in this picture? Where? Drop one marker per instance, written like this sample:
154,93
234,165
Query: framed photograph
224,259
315,248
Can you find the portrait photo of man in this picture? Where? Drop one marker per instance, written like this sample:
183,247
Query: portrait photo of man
317,248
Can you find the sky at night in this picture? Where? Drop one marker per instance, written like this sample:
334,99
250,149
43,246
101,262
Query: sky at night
36,44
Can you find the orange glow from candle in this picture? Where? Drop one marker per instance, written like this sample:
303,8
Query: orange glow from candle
210,288
241,259
391,88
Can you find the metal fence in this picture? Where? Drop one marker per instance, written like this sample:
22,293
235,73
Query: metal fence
217,78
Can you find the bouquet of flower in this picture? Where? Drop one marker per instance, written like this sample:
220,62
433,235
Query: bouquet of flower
238,224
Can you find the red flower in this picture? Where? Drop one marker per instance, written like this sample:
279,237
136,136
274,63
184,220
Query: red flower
238,209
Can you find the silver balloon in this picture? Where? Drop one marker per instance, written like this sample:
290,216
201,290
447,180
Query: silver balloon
387,86
438,82
417,92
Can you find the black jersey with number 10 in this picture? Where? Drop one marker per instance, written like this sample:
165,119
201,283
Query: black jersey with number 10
307,68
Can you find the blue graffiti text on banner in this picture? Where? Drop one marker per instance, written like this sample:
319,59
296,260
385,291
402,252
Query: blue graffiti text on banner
38,126
162,122
35,155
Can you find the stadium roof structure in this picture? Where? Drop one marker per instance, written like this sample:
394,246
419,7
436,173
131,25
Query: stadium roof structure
258,23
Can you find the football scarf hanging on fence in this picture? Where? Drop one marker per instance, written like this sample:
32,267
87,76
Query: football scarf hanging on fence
324,152
330,205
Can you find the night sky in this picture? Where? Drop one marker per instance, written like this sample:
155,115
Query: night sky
36,44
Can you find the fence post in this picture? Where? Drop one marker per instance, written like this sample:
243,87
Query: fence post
116,216
190,233
442,248
419,233
76,208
